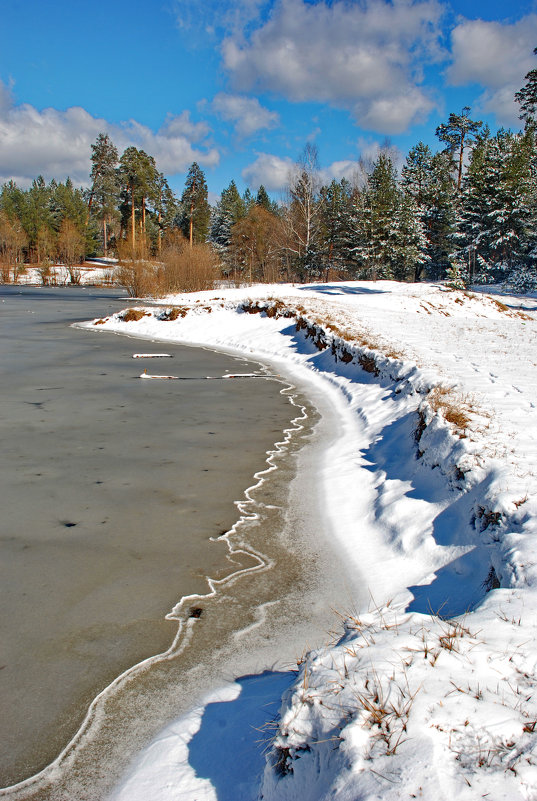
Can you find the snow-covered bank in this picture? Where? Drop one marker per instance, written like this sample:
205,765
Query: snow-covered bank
430,493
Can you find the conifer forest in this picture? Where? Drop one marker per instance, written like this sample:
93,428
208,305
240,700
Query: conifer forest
466,211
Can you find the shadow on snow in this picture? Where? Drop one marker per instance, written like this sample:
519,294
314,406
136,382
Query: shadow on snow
458,586
229,747
343,289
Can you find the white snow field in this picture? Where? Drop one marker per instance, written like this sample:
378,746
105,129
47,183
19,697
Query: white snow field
99,271
430,493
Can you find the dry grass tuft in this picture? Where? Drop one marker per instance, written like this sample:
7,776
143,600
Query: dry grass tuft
133,315
452,406
508,311
501,306
488,517
174,313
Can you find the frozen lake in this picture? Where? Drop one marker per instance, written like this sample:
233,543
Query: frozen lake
111,489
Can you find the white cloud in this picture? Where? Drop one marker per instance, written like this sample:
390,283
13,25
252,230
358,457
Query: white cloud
497,56
364,57
271,171
246,113
214,17
274,172
173,153
370,150
58,143
353,171
181,125
394,114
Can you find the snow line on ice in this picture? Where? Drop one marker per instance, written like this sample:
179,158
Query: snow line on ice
416,697
183,612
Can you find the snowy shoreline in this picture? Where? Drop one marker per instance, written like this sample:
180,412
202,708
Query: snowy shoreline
431,495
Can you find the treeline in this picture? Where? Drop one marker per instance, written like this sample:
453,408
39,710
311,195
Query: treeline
467,212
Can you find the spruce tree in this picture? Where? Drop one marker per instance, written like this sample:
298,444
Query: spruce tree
416,174
335,221
377,220
196,212
38,216
497,215
409,252
229,210
262,199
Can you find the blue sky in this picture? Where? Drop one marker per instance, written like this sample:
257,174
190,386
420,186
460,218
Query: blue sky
241,87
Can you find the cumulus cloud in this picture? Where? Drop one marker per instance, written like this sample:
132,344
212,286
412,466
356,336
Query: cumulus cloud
274,172
58,143
353,171
497,56
181,125
271,171
370,150
364,57
246,113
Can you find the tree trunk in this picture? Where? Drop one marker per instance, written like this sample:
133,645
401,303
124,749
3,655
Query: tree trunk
133,221
104,238
461,153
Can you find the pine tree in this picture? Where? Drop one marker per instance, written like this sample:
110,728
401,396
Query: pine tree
129,179
527,96
104,192
165,208
458,134
196,212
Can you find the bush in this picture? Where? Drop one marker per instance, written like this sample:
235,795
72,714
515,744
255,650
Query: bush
185,268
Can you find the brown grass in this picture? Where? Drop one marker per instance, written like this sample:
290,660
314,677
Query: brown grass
133,315
451,405
510,312
174,313
187,269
